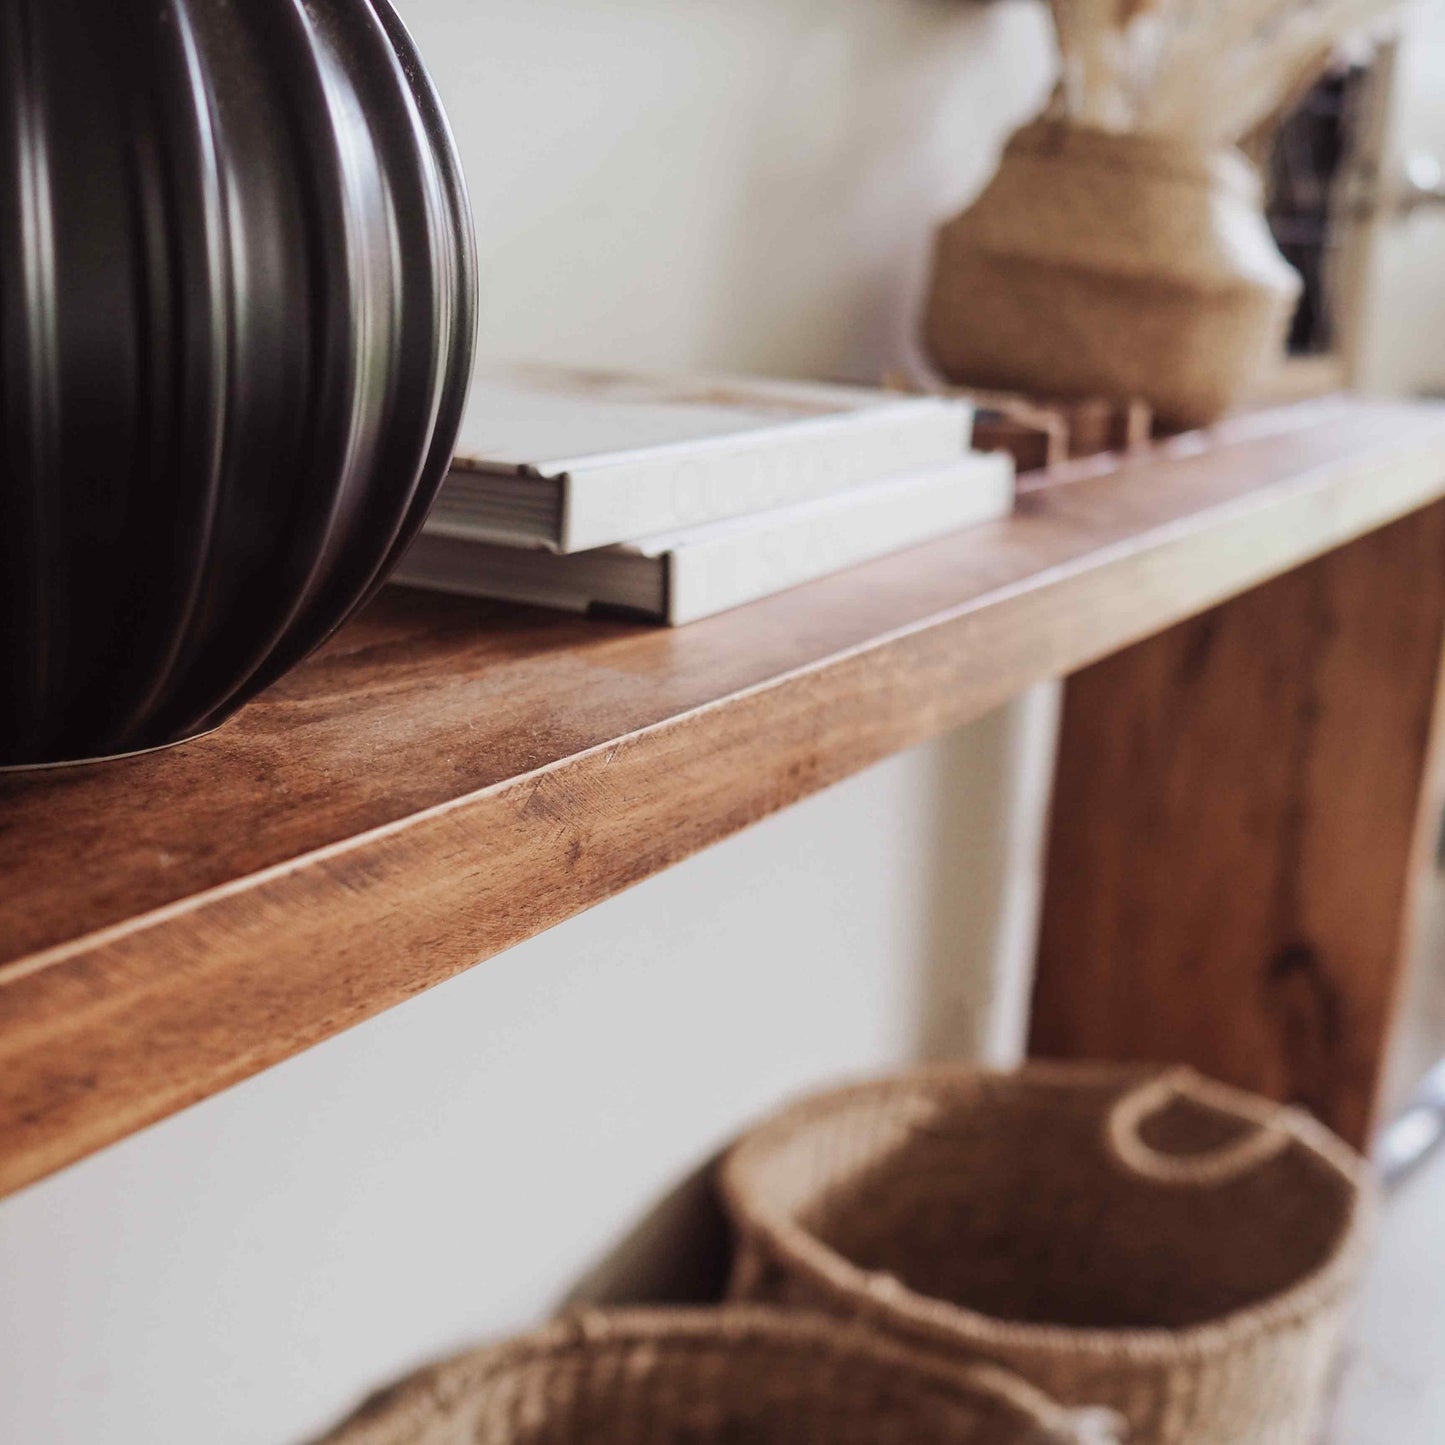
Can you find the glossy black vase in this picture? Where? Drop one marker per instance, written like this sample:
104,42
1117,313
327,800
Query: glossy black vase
237,312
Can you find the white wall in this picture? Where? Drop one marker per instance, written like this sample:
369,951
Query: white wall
733,183
718,183
1401,283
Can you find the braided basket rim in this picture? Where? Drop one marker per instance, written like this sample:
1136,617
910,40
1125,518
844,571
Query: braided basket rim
403,1411
885,1300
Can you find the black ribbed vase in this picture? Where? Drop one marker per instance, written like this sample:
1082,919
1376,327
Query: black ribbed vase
237,312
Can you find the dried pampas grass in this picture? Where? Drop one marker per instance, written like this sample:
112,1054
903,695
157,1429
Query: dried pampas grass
1209,71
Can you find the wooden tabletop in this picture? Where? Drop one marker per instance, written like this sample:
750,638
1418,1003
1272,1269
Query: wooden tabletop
449,777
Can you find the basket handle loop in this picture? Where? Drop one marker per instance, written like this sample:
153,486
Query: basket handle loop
1124,1139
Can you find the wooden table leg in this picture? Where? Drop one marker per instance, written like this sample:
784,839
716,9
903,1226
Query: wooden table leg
1241,807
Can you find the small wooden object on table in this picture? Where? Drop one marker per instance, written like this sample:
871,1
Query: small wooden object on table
1040,432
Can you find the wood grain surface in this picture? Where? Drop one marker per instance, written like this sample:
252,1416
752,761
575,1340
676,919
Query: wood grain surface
1238,823
449,777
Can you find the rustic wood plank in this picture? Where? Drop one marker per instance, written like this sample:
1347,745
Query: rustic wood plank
450,777
1237,823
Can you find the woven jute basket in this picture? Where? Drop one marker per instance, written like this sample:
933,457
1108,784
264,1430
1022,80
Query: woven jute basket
1099,264
1152,1242
732,1376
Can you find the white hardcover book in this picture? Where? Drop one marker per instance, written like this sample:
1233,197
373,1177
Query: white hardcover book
573,460
684,576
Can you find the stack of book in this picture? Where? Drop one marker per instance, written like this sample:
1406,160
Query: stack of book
674,499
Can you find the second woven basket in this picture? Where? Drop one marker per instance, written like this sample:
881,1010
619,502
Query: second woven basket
732,1376
1170,1248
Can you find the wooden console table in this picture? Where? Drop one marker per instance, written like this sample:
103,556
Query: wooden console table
1252,625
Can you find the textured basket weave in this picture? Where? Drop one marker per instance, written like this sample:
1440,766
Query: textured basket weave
1104,264
734,1376
1172,1249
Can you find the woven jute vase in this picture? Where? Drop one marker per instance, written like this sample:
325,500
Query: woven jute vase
1097,264
709,1377
1172,1249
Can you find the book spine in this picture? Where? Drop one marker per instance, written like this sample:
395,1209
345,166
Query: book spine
714,576
645,497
